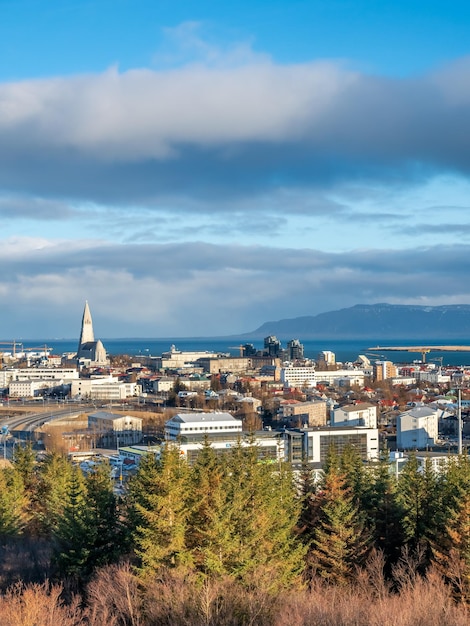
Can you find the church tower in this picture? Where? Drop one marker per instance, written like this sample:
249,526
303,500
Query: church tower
90,353
86,334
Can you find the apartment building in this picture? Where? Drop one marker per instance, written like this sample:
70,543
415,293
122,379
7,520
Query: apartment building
383,370
417,428
363,414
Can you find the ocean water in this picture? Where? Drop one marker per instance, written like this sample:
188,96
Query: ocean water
344,349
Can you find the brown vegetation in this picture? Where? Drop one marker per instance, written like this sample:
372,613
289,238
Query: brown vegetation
116,597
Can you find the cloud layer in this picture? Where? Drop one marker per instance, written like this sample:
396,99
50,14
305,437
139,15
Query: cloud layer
209,198
191,289
200,130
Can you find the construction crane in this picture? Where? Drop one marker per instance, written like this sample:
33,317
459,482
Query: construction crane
12,344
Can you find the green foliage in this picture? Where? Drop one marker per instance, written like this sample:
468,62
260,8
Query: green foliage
264,513
72,541
383,513
106,538
339,542
24,462
452,552
54,477
159,495
418,495
13,504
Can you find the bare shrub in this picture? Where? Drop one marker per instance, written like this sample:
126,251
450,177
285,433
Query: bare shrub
114,598
177,600
38,605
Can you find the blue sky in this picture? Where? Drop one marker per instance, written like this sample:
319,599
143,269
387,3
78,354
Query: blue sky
200,168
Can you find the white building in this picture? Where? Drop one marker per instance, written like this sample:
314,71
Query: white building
196,425
363,414
65,374
5,377
341,378
177,359
434,377
298,376
269,446
417,428
30,388
164,384
105,388
327,357
114,429
312,445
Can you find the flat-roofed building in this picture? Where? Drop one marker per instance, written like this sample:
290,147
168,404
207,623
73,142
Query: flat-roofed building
383,370
311,413
66,374
363,414
341,378
317,443
105,388
417,428
326,357
197,425
30,388
114,429
298,376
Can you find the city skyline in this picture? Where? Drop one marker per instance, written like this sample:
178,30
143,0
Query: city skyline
200,170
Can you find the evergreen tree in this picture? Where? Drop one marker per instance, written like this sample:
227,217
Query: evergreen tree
160,505
452,552
24,462
106,537
418,496
383,514
264,513
54,477
339,541
210,536
13,504
74,532
357,477
454,484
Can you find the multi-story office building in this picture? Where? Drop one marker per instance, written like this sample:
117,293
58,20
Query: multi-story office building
298,376
272,346
295,350
194,426
384,370
326,357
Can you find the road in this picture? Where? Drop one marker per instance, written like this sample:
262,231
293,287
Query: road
23,425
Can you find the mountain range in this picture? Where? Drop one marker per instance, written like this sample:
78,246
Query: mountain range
385,321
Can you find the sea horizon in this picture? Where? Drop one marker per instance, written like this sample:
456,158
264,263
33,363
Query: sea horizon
346,350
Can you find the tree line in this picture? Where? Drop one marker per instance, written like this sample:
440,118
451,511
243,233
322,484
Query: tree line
233,518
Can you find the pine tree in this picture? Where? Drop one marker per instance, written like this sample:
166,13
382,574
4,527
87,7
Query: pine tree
383,514
159,497
13,504
265,510
24,462
54,477
210,538
339,542
106,539
418,497
74,532
451,552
